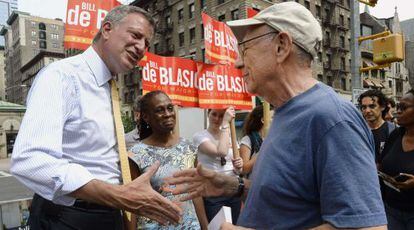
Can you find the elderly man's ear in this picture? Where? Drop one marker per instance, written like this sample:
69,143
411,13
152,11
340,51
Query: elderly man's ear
284,46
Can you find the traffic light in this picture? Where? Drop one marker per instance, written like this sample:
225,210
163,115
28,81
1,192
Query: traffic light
388,49
373,2
369,2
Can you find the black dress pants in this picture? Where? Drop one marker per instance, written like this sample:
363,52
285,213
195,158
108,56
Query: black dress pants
45,215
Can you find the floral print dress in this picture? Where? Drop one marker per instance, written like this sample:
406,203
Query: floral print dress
172,159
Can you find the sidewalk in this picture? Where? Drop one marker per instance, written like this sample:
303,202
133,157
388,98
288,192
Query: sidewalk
5,164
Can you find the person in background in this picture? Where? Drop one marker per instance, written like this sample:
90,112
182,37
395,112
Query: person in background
253,135
316,167
69,156
132,137
398,162
158,143
390,115
215,152
373,105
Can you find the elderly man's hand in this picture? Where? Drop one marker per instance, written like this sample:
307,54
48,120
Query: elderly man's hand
139,197
202,182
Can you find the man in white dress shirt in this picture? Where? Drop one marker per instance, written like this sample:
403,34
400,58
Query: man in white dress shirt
66,148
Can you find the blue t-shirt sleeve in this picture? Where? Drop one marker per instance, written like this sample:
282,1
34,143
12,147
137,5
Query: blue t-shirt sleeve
347,178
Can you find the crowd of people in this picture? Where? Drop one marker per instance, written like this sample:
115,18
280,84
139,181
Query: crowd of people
324,163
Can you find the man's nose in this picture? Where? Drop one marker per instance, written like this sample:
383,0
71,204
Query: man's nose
239,64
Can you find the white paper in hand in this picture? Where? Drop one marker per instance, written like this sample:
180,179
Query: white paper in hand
224,215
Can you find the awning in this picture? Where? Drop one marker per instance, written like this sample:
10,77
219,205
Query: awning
371,82
367,63
377,83
368,83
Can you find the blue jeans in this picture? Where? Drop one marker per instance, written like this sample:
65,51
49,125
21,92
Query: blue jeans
399,220
213,206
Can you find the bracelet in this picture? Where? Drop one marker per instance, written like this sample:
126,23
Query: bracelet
240,189
224,127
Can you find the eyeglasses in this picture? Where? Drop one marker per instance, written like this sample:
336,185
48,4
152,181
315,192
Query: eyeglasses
243,48
371,106
402,107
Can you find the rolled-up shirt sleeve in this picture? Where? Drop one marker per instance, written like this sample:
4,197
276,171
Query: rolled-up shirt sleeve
37,155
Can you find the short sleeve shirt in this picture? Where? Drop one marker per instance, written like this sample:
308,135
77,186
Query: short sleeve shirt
316,165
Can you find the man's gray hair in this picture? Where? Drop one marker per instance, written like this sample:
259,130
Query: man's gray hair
304,58
120,12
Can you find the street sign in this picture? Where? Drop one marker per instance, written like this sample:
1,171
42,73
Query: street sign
355,95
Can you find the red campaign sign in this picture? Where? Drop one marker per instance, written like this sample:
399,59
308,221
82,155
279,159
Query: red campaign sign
251,12
225,87
83,20
175,76
219,42
192,84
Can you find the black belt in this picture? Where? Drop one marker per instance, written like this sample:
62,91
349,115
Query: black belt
91,206
50,207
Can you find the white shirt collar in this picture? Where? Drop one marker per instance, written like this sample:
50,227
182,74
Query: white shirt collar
97,65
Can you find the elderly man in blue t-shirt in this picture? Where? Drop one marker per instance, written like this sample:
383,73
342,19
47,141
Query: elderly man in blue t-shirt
316,167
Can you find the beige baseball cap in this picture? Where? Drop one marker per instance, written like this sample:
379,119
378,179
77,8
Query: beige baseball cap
290,17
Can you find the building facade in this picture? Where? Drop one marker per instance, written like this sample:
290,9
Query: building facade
28,37
180,32
393,80
6,9
2,74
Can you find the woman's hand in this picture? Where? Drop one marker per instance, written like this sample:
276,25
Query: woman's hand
237,165
228,115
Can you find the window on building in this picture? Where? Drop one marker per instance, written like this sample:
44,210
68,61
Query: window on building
203,54
399,86
320,56
320,77
42,26
33,33
34,43
191,10
192,35
202,3
343,63
328,60
54,36
235,14
181,39
341,20
342,41
329,81
42,45
382,74
168,18
33,24
202,32
307,4
327,14
390,83
42,34
222,17
180,14
343,84
318,11
220,1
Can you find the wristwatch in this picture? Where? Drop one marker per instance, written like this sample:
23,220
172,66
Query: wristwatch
240,189
223,127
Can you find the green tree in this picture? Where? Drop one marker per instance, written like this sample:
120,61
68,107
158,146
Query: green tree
128,123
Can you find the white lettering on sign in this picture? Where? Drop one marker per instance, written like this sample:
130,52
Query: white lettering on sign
82,15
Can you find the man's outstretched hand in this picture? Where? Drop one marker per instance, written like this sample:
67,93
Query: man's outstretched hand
202,182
